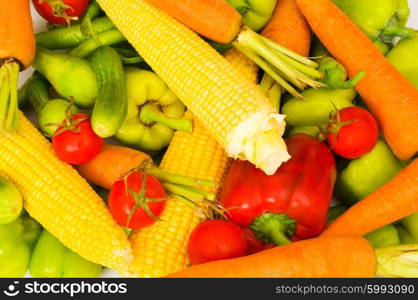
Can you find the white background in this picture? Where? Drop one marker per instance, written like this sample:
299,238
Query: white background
39,25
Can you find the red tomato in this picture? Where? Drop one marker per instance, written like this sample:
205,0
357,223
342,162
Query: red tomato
254,244
214,240
77,147
121,201
356,132
60,11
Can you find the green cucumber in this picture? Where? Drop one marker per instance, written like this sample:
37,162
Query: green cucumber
111,104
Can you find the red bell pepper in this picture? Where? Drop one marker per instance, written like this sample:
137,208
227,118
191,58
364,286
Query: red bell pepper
291,204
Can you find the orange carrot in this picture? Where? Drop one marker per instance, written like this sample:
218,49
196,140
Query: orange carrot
390,96
393,201
17,38
288,27
215,19
319,257
218,21
17,50
111,164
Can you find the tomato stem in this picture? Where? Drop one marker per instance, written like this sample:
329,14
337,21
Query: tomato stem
59,10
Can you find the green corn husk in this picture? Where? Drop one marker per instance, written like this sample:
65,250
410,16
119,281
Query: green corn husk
397,261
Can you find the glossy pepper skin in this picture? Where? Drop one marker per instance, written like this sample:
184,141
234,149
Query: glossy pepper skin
404,57
316,106
300,190
385,236
364,175
50,259
256,13
379,19
154,112
14,251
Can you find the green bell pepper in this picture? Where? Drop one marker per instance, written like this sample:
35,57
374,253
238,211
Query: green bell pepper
154,112
256,13
14,252
316,106
404,56
383,237
11,201
313,131
364,175
32,230
52,259
379,19
404,235
411,224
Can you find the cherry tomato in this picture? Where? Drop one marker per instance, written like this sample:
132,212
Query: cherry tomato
60,11
254,244
122,202
352,132
77,145
214,240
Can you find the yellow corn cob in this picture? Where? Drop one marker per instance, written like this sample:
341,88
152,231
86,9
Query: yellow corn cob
60,199
161,248
233,109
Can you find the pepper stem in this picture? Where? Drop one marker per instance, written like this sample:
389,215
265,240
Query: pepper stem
9,74
151,113
395,29
273,228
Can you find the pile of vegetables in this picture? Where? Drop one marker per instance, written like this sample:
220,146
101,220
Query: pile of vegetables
210,139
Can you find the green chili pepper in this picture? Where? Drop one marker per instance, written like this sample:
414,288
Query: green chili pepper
14,252
107,38
10,201
256,13
154,112
382,19
383,237
316,106
70,37
404,57
404,235
48,111
364,175
50,258
86,25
